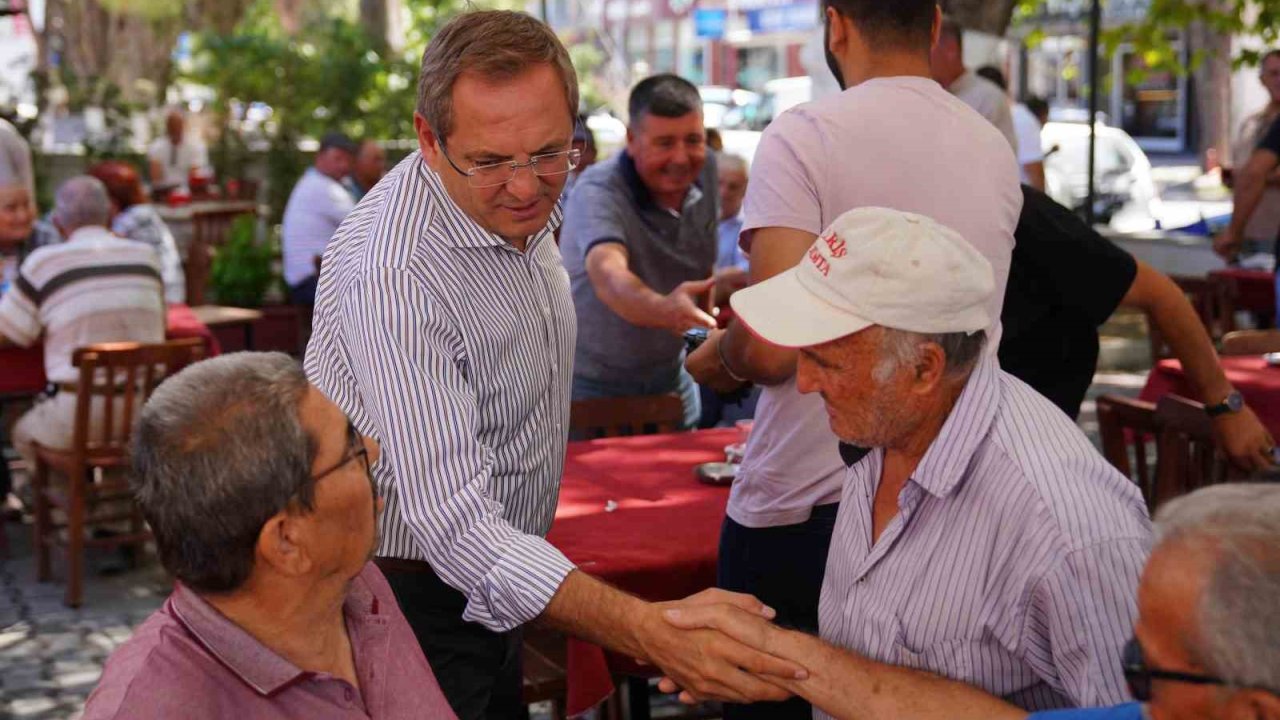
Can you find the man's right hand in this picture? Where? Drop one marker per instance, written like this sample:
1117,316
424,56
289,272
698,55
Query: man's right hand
681,310
1227,245
706,664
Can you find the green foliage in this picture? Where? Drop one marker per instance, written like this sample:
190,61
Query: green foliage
241,272
587,58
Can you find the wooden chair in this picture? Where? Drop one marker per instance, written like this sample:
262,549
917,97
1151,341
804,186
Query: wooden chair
115,380
1188,457
1251,342
639,415
1212,297
545,663
209,229
1126,424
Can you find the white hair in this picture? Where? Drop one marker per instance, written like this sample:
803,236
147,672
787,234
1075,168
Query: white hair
1239,613
899,348
82,201
730,161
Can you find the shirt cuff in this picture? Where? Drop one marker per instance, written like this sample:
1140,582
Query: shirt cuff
519,586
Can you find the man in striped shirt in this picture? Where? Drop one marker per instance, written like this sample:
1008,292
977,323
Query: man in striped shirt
982,538
444,328
93,288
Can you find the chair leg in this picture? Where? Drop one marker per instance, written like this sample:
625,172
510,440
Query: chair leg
42,523
75,539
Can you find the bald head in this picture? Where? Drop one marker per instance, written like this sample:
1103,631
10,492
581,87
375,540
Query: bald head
81,202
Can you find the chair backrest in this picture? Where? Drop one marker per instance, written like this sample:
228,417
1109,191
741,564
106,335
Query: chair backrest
1127,424
1251,342
209,229
640,415
1188,456
115,380
1212,297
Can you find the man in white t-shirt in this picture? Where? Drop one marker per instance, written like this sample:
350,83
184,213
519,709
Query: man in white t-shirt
317,206
1026,126
947,66
174,155
893,139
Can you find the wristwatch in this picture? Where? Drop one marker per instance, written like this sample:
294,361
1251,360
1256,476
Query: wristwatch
1233,403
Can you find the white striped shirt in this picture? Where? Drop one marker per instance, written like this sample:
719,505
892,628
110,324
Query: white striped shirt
455,351
1012,564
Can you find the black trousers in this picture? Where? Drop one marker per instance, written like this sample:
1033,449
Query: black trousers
478,670
782,566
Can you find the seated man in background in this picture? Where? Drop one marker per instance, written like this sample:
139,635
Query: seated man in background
93,288
639,243
982,537
316,207
174,155
1206,645
1051,321
731,262
135,218
369,167
258,490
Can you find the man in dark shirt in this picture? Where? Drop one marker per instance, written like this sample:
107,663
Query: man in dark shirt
1250,185
1064,281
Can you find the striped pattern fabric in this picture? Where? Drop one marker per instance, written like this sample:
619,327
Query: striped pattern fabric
141,223
1012,564
93,288
455,351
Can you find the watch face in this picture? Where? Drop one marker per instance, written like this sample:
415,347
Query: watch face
1235,401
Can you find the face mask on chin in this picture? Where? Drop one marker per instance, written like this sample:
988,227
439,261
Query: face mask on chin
832,63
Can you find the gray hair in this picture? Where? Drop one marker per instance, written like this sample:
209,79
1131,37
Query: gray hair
498,44
1239,613
900,348
81,202
218,449
731,161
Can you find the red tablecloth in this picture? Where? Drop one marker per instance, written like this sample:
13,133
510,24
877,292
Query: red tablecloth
1258,382
22,369
661,541
1255,289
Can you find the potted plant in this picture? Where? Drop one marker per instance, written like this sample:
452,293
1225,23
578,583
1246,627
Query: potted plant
242,272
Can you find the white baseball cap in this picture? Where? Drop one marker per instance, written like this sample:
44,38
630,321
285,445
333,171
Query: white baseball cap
873,266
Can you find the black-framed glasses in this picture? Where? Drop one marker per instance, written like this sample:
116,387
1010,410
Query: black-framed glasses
355,449
1139,676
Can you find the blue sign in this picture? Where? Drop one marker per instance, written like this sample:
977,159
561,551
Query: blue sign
709,23
800,16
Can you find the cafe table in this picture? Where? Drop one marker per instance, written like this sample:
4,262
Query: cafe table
1258,383
633,514
22,369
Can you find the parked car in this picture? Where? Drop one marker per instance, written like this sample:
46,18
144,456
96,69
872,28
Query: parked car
722,107
1126,196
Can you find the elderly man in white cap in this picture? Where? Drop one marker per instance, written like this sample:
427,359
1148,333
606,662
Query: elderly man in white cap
981,537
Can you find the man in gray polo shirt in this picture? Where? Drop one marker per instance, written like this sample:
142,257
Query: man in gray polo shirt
639,243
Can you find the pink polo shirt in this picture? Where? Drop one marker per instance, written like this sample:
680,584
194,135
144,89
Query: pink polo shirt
189,661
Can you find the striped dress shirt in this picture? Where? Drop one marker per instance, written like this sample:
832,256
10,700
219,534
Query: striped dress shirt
454,350
1012,564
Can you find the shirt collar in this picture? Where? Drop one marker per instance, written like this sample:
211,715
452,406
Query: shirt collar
255,664
640,191
90,233
943,466
460,230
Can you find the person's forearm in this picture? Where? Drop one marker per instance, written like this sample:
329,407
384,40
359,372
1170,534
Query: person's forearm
1035,174
589,609
751,358
627,295
1180,326
850,687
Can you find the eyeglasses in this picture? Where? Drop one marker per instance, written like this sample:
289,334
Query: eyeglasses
1139,676
355,449
501,173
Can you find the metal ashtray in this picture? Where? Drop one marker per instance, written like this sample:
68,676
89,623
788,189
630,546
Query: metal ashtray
716,473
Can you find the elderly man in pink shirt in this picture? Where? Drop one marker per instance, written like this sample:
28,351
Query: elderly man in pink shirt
258,490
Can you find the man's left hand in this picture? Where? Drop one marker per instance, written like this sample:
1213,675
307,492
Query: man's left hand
705,366
1243,438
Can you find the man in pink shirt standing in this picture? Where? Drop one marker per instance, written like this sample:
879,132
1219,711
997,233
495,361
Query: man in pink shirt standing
258,490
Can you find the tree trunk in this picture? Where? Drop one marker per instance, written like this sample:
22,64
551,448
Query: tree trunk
1212,91
988,16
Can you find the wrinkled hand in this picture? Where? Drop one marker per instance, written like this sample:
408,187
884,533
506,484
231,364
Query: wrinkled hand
1227,245
706,664
681,310
745,627
1243,438
707,370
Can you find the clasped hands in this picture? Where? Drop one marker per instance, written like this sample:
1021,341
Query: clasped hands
719,645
